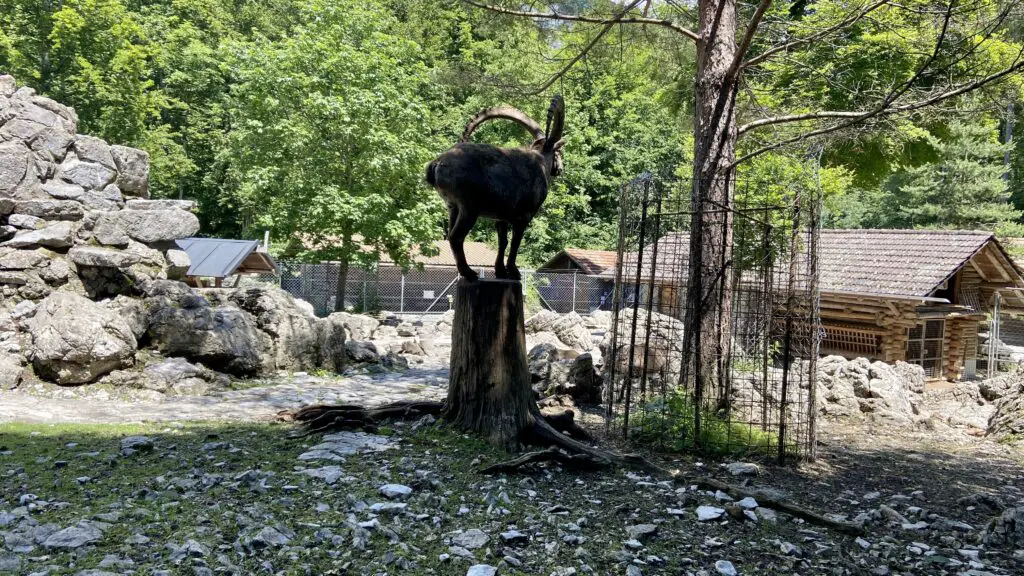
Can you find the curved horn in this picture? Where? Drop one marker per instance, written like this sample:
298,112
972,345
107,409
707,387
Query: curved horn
556,122
506,112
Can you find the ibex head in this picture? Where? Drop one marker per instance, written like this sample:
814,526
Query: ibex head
549,142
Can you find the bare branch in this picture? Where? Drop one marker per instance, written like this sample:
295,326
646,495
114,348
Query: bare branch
748,37
858,118
590,45
845,23
664,23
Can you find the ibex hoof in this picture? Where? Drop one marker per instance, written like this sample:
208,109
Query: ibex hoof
513,274
470,276
500,273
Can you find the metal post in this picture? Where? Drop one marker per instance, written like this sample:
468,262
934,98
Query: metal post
401,302
365,306
573,290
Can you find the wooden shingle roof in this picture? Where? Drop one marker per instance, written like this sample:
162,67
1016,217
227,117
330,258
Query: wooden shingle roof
909,263
591,262
894,262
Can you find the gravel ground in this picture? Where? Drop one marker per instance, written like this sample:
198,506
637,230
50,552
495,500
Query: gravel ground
234,496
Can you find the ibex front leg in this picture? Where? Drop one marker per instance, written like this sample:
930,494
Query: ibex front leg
499,264
456,236
518,229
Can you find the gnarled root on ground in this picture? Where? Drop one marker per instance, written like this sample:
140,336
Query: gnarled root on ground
553,430
330,418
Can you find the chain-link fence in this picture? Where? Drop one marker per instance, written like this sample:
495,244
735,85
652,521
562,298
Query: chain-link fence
430,290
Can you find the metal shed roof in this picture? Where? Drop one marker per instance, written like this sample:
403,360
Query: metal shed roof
220,258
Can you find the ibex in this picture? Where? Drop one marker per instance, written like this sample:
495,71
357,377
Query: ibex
507,185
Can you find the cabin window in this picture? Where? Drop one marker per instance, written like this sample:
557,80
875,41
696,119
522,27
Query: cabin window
924,346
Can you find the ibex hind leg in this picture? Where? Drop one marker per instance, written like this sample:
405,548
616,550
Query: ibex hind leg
499,264
518,229
456,237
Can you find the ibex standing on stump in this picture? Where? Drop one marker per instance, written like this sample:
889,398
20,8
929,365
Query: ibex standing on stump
507,185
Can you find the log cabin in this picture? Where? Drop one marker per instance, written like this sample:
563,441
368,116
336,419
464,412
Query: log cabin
919,296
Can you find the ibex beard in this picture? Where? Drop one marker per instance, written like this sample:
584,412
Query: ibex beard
506,185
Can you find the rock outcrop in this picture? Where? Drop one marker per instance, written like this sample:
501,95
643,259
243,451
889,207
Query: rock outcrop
861,387
1007,422
76,340
74,211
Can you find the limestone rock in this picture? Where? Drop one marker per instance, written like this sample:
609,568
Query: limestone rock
63,190
360,351
168,204
1007,422
12,259
333,355
178,264
102,257
295,335
133,170
92,149
224,338
56,235
75,340
176,375
15,167
88,175
146,226
132,311
359,326
11,370
26,222
50,209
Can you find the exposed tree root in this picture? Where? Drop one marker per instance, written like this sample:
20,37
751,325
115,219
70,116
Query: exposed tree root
581,454
547,431
330,418
551,454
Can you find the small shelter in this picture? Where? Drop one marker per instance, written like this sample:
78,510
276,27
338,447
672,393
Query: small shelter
216,259
574,280
918,296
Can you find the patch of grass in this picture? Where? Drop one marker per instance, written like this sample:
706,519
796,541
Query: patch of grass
670,423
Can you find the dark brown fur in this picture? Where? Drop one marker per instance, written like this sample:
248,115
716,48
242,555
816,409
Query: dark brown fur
507,185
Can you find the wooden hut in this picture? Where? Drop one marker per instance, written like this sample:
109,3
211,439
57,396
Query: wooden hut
912,295
211,260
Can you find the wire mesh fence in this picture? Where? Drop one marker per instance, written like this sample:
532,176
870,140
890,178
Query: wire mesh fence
430,290
736,373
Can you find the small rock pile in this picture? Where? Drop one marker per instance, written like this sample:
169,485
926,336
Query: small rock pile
861,387
1007,422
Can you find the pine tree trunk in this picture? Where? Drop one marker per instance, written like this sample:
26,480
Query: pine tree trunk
489,384
709,298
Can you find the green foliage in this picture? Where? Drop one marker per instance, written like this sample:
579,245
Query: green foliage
330,132
964,188
669,423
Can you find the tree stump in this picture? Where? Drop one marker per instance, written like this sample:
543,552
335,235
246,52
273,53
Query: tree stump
489,383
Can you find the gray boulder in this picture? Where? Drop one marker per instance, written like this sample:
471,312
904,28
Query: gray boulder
16,168
92,149
177,375
26,222
1007,529
569,328
75,340
63,190
359,326
56,235
178,264
333,355
295,337
53,142
1007,422
164,204
133,170
88,175
362,352
11,370
50,209
14,259
132,311
224,338
102,257
146,226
